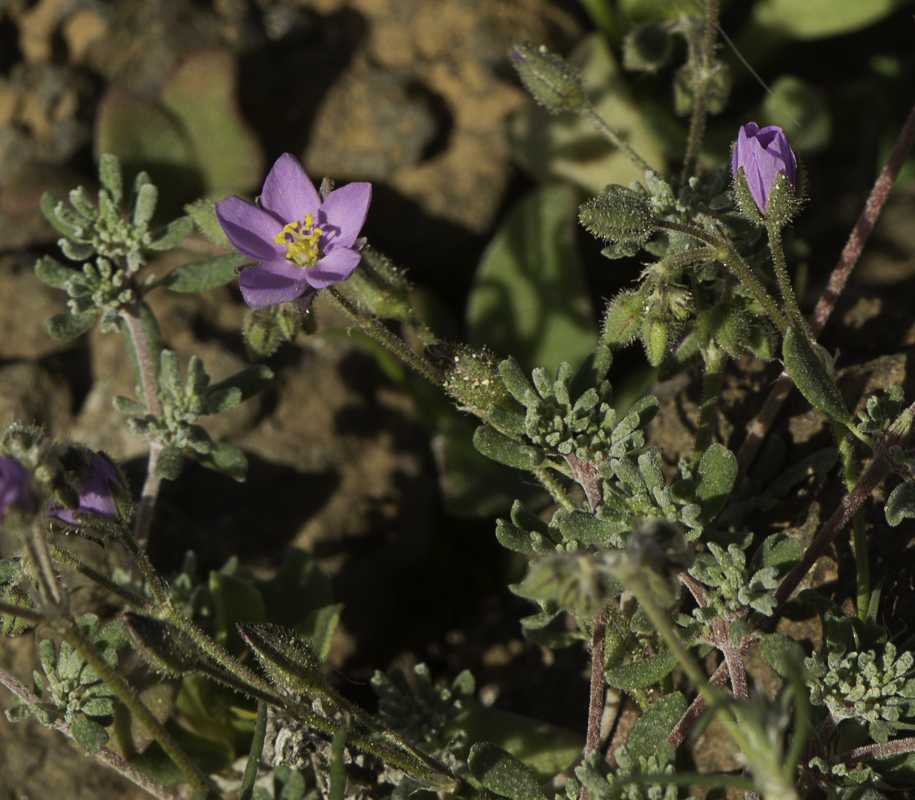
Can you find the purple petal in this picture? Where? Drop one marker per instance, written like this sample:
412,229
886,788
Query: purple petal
288,192
14,480
94,491
343,215
774,140
249,228
271,283
337,265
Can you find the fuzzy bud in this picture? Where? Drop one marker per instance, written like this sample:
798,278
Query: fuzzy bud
551,81
620,215
765,171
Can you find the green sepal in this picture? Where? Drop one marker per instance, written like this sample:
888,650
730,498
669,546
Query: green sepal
68,326
203,212
502,773
623,319
811,376
207,273
227,459
500,448
290,662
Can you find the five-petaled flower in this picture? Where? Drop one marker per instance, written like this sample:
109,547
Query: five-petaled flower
300,242
14,479
96,483
763,153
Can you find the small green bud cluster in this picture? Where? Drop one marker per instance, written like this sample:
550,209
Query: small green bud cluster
265,329
99,286
91,228
420,710
872,686
877,417
71,689
711,79
183,405
604,784
842,773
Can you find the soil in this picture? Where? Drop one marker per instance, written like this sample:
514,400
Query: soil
414,95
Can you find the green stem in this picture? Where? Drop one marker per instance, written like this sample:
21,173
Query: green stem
729,257
128,696
715,359
549,482
859,534
254,755
700,90
375,328
588,112
156,585
784,279
66,558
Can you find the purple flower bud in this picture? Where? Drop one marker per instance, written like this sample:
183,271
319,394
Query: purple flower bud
763,153
14,479
300,241
95,495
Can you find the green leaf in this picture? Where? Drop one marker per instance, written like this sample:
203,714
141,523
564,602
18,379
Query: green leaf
90,735
109,174
249,381
207,273
900,504
782,653
290,662
817,19
298,589
209,755
642,673
126,405
655,725
811,376
53,272
171,235
203,212
502,773
498,447
529,298
49,204
202,95
227,459
145,204
717,473
235,600
223,400
68,326
319,627
170,464
512,537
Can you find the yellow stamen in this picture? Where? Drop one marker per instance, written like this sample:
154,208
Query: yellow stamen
301,241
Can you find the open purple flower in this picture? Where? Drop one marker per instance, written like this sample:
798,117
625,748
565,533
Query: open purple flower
763,153
300,242
95,492
14,479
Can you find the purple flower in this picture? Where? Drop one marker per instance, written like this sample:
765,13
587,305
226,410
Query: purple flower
763,153
95,495
14,479
301,244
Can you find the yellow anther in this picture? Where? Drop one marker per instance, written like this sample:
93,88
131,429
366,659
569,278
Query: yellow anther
301,241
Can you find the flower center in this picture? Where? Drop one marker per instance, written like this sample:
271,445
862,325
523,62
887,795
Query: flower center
301,241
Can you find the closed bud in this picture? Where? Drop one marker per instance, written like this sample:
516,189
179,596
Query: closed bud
623,319
620,215
165,647
289,662
549,79
471,377
765,173
655,335
647,47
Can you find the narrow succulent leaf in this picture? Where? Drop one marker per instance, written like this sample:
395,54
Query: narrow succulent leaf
511,537
203,212
53,272
109,173
515,379
811,376
227,459
505,420
77,251
250,381
170,374
127,405
145,205
641,413
502,773
200,440
68,326
49,205
498,447
172,234
82,202
207,273
221,400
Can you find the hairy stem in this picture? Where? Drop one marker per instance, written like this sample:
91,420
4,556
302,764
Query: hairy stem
873,751
588,112
549,482
859,535
700,90
66,558
784,279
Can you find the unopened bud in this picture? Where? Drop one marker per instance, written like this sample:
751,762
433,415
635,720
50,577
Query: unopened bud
623,319
551,81
620,215
655,337
471,377
647,47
